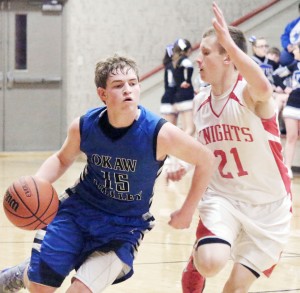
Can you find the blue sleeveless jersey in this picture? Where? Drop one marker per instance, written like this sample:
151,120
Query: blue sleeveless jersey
120,174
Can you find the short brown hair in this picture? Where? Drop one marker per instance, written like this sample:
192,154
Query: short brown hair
274,50
236,34
110,66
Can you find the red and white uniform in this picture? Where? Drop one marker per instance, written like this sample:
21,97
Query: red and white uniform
247,148
248,200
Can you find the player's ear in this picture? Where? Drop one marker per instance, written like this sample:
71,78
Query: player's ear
226,59
102,94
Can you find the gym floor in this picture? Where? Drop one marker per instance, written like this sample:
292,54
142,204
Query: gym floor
164,251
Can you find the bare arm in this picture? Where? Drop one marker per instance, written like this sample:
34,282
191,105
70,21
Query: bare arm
173,141
56,165
258,87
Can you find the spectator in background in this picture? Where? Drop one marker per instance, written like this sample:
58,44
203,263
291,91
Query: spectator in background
279,93
259,49
167,101
290,36
183,72
291,112
268,60
273,53
177,100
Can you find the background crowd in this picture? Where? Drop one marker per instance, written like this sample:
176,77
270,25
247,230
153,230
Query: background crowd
280,65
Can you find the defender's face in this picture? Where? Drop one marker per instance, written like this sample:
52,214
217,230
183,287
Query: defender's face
210,61
122,90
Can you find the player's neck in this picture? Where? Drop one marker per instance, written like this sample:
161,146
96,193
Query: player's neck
225,86
120,121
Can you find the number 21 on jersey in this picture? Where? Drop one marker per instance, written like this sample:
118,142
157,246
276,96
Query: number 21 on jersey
224,159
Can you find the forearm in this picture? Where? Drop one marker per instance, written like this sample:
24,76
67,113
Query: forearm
250,71
200,180
52,169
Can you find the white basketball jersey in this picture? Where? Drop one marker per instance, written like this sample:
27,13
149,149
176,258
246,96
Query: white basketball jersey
247,148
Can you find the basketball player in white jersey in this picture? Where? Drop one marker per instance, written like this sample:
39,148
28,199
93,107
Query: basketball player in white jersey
245,213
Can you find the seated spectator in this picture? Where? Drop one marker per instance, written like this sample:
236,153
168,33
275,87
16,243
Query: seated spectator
259,49
279,95
273,53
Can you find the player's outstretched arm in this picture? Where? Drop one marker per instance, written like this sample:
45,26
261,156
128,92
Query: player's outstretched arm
259,87
175,142
59,162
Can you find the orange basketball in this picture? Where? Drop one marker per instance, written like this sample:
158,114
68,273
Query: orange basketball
30,203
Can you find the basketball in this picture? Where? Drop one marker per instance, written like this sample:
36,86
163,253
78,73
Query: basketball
30,203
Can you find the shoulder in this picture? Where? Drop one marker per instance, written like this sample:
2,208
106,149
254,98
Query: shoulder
144,112
74,130
87,119
204,93
295,21
292,24
150,120
94,111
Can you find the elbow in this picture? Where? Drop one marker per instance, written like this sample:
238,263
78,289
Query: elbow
269,89
266,91
63,162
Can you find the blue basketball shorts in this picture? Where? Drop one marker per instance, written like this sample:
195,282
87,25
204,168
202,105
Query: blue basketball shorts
78,230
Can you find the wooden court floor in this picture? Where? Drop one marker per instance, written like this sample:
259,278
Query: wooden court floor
164,251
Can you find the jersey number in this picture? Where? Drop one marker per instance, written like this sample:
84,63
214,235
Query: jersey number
234,153
120,181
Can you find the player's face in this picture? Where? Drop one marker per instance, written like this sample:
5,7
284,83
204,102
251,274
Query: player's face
210,60
122,90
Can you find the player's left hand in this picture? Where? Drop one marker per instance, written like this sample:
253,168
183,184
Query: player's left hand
175,169
220,26
180,219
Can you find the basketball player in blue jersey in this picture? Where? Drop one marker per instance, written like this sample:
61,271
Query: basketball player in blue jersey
245,212
104,216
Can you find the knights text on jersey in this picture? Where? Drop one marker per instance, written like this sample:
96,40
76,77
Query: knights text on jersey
247,148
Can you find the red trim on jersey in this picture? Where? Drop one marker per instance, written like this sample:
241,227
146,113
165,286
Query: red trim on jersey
202,231
204,102
212,109
271,126
276,148
232,96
